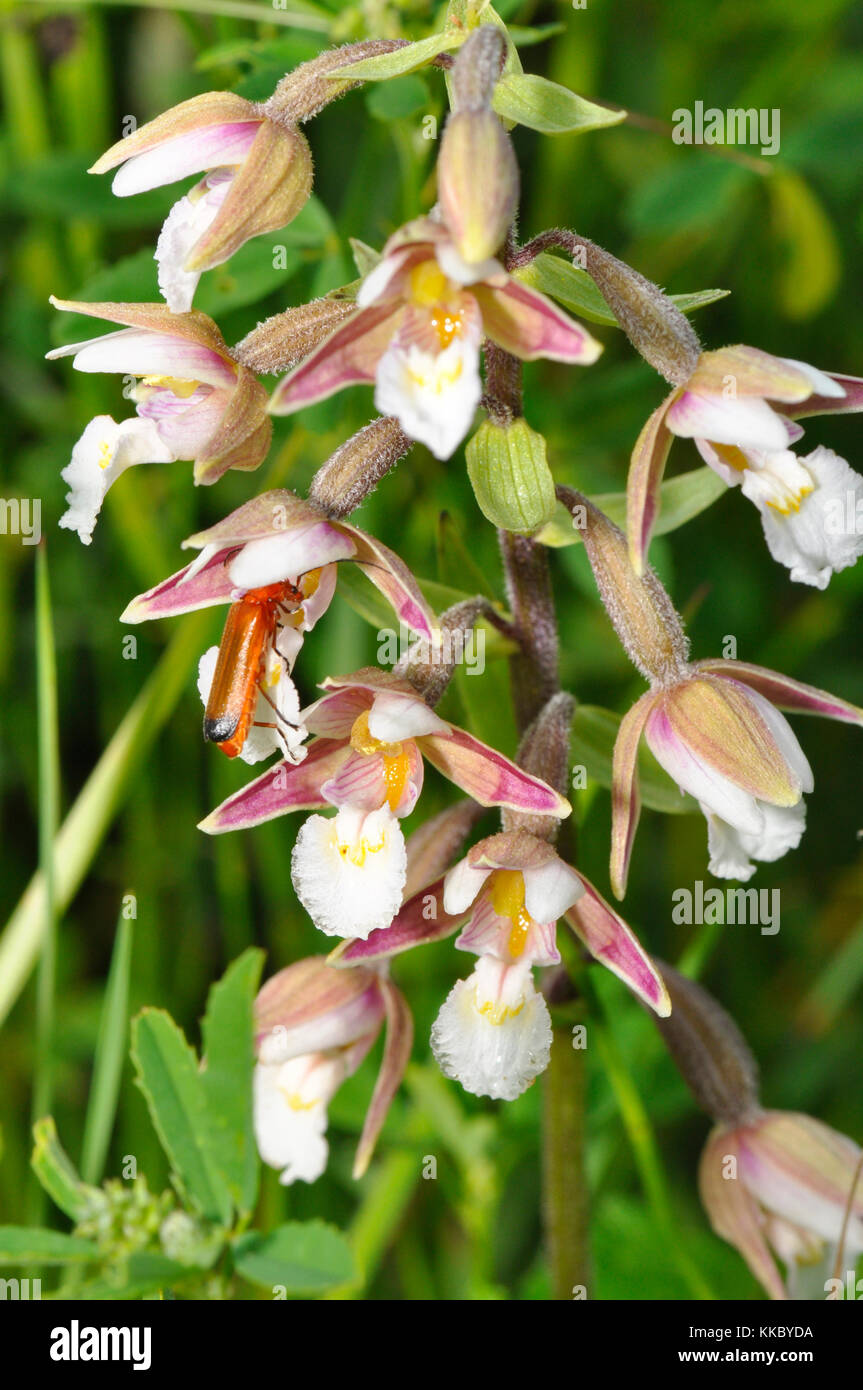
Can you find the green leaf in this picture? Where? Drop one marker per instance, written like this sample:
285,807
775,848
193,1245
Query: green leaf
110,1053
59,186
594,731
681,499
399,62
574,289
145,1272
689,194
811,264
56,1172
300,1256
168,1076
21,1245
396,100
228,1033
535,102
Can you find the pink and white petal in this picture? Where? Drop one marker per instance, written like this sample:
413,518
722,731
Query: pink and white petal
359,782
803,1171
625,795
394,716
272,513
463,272
208,147
397,1052
289,554
747,422
550,889
186,426
142,352
420,920
527,324
489,777
486,932
614,944
646,470
334,714
391,576
783,691
698,776
283,788
209,586
349,356
104,451
733,1211
386,281
186,223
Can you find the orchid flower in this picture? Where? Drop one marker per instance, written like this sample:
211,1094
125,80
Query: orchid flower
740,405
258,177
776,1184
193,401
423,313
372,732
714,725
493,1032
279,538
313,1027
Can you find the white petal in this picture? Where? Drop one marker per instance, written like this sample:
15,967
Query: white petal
379,279
208,147
279,729
394,717
433,395
493,1032
349,871
747,422
822,384
104,451
461,886
316,605
825,533
288,555
464,272
290,1114
182,229
145,352
550,890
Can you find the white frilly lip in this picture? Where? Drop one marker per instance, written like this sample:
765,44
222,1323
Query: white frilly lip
290,1113
104,451
731,851
186,223
493,1032
434,396
349,870
824,534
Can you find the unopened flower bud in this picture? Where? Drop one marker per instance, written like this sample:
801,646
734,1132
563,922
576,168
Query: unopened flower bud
477,67
477,183
357,466
302,93
285,339
643,615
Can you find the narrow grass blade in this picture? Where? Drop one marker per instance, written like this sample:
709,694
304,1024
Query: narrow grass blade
110,1053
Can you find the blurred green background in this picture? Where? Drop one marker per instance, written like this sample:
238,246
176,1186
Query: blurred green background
785,236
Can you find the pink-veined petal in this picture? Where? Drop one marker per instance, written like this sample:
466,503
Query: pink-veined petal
421,919
397,1051
391,576
205,588
285,787
848,403
527,324
625,796
733,1212
489,777
646,470
615,945
784,692
208,147
144,352
348,356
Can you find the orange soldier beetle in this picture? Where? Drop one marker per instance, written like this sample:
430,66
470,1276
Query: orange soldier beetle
250,629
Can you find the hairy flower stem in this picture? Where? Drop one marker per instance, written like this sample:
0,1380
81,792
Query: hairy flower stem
533,669
565,1208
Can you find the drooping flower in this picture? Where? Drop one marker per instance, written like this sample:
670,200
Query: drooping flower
423,313
740,406
313,1027
493,1032
714,725
193,401
372,732
777,1184
282,549
257,176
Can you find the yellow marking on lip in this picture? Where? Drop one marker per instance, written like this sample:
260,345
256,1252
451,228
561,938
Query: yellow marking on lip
498,1013
106,454
357,854
177,385
506,892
